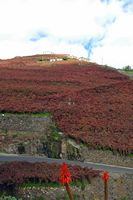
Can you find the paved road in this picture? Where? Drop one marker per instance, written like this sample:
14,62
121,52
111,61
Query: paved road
97,166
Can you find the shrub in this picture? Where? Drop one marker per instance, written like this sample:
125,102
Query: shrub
3,197
65,58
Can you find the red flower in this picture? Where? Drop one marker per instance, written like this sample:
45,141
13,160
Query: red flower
65,175
105,176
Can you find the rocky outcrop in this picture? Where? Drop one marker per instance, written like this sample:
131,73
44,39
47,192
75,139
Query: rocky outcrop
80,151
37,134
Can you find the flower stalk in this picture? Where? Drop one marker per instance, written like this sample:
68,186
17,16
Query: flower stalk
69,192
105,178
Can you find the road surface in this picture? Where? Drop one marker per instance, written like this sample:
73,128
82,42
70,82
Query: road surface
97,166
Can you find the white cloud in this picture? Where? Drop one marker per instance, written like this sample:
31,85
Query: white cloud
67,26
117,46
54,45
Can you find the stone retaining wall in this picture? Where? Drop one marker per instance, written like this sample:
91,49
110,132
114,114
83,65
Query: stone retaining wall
37,135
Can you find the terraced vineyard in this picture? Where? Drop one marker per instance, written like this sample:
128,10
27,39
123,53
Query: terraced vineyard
89,103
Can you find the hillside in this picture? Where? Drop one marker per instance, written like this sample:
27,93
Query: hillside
89,103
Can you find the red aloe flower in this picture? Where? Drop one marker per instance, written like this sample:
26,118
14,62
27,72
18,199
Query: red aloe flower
65,179
105,176
65,175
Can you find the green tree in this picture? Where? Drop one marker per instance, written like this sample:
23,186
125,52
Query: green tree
127,68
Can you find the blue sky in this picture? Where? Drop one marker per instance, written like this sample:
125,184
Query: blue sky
98,29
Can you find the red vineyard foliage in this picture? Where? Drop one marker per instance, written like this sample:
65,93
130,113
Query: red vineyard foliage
89,103
22,172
